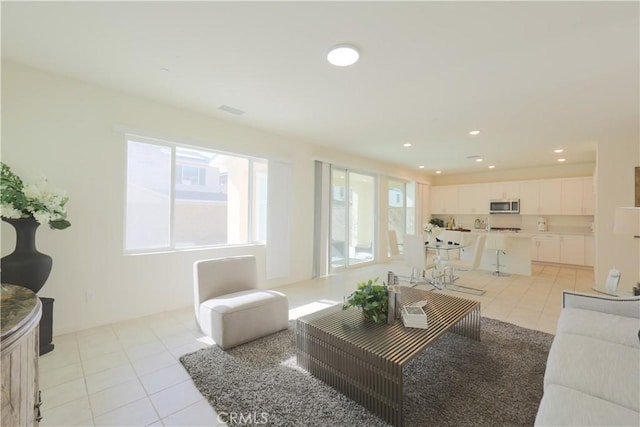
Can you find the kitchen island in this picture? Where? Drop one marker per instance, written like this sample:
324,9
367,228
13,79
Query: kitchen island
515,260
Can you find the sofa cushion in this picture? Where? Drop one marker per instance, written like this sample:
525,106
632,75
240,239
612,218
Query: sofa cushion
603,369
608,327
562,406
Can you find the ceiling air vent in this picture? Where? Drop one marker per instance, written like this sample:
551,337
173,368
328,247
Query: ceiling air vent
231,110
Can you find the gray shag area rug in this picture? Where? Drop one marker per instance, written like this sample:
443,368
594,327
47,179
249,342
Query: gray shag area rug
454,382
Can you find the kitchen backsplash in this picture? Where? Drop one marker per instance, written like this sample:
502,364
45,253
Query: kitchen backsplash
528,223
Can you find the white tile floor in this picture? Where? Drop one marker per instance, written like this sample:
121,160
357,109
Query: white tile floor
128,374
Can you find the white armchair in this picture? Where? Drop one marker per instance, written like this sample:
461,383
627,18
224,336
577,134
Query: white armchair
228,306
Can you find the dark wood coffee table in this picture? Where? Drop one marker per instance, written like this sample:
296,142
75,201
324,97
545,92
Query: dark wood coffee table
364,360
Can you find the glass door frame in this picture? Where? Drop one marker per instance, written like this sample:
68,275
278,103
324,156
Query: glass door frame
347,216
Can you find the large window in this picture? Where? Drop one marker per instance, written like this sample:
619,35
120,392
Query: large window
180,197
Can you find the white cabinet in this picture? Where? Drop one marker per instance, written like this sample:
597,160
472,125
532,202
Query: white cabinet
572,250
577,196
564,249
540,197
568,196
546,248
444,200
589,251
550,197
529,197
473,199
571,196
504,190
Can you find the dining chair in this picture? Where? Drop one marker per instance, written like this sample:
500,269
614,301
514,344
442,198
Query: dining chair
469,265
415,256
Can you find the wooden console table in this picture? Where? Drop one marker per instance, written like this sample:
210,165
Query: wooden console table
20,312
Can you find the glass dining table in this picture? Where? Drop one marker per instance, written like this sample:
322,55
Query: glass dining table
443,275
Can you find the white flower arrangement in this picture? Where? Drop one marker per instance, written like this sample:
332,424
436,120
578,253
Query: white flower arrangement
38,201
431,228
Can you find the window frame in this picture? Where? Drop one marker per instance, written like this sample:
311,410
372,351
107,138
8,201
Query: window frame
199,175
172,146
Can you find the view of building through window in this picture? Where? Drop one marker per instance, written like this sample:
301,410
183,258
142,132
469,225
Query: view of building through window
212,198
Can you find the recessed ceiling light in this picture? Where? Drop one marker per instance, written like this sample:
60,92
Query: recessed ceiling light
562,160
421,166
474,132
438,172
479,159
558,150
406,144
492,166
343,55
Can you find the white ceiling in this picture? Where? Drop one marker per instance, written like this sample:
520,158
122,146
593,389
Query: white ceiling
532,76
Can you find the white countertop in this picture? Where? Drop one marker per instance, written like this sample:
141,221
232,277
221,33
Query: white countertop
532,233
518,234
564,233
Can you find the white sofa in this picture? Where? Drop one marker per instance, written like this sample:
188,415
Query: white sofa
592,376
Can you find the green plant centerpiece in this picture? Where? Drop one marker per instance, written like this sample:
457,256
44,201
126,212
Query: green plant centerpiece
437,222
372,299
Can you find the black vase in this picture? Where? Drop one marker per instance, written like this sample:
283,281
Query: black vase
25,266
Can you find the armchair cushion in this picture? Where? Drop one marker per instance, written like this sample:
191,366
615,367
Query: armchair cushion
240,317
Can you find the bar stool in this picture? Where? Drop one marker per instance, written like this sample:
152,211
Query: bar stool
498,243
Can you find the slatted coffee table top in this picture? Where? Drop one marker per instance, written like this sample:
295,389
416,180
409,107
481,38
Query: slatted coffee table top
393,342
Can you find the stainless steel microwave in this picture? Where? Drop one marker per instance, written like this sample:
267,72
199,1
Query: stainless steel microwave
510,206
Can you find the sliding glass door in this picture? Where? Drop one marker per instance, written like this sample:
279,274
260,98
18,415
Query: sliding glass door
352,218
401,208
397,209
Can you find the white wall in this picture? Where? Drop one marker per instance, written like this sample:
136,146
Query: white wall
614,188
547,172
68,131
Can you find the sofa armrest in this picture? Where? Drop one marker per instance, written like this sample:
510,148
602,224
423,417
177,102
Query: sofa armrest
627,306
